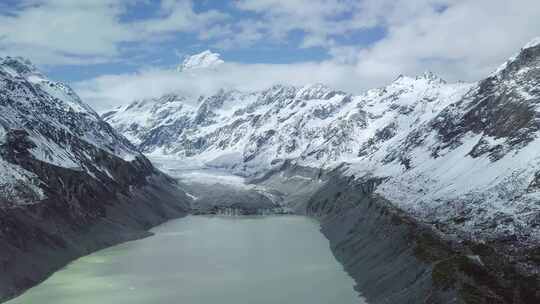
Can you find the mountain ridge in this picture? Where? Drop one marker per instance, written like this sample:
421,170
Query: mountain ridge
410,133
69,183
420,162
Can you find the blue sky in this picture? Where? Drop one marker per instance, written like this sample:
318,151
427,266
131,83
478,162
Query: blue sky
168,51
99,46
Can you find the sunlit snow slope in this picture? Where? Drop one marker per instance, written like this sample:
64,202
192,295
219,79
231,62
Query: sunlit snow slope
45,120
465,156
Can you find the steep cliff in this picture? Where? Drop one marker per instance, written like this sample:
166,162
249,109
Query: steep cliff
69,183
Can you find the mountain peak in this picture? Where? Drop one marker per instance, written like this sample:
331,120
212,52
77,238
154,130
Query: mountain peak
528,55
204,60
534,42
427,76
430,76
19,65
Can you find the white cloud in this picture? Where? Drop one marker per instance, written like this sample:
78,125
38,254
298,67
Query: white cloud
111,90
179,16
458,39
241,34
90,31
61,31
319,20
465,41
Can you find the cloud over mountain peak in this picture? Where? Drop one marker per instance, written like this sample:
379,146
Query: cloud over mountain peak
203,60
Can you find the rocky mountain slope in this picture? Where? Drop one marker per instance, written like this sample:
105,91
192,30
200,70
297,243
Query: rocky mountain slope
69,183
460,153
462,159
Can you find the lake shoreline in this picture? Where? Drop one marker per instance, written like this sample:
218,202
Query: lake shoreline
395,257
392,256
231,258
48,239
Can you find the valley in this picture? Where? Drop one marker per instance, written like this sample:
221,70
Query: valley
426,191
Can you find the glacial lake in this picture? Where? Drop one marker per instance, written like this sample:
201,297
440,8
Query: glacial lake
203,260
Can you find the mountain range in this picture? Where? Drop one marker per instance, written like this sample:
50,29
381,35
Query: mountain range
463,155
454,165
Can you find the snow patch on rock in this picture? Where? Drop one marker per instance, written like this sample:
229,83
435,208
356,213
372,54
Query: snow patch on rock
18,186
51,111
534,42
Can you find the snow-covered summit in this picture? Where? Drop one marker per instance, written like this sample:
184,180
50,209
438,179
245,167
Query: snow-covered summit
314,123
46,121
203,60
444,151
529,48
18,65
533,43
430,76
426,77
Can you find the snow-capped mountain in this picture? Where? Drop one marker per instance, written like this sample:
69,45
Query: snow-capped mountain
314,124
69,183
462,155
203,60
48,121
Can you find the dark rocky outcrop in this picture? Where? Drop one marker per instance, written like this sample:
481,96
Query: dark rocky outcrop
80,213
396,258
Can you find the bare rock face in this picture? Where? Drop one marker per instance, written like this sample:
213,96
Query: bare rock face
505,106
